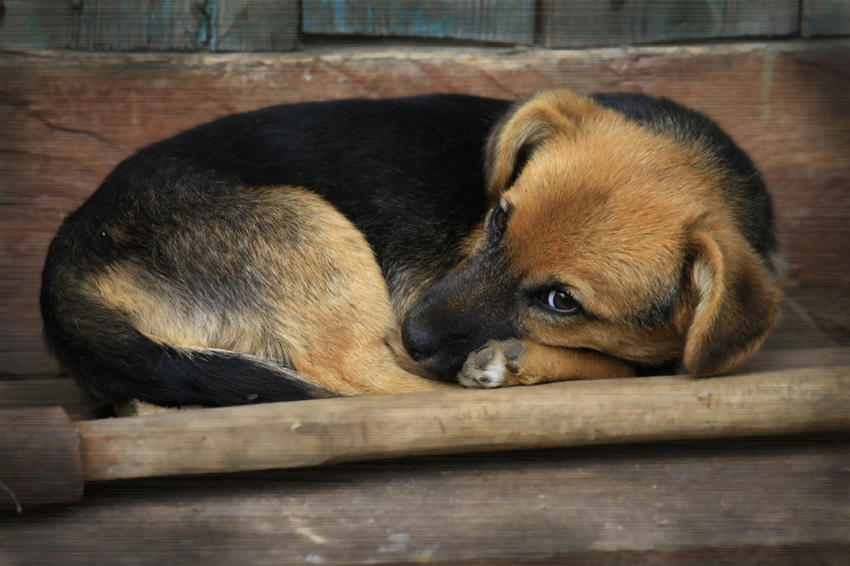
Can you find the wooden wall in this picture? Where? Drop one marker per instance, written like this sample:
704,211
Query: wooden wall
506,21
273,25
576,23
133,25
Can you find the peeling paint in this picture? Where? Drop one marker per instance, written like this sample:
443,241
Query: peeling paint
206,35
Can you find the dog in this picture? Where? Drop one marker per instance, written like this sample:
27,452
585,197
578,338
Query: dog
386,246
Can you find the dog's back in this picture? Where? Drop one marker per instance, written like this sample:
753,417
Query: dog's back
185,217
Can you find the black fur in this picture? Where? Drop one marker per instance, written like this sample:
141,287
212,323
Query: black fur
458,314
409,173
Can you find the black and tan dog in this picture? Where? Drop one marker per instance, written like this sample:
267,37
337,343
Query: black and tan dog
361,246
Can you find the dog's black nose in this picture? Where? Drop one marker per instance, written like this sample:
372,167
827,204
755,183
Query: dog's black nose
418,340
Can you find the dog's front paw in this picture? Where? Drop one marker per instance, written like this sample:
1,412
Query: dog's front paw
493,365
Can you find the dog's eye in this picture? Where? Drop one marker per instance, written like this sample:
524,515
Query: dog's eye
560,301
500,222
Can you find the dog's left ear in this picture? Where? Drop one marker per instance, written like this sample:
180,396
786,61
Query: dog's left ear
737,302
528,125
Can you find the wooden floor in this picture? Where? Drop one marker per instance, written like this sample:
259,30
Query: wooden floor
768,501
772,500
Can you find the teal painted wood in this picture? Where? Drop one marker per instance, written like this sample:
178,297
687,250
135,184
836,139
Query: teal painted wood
257,25
757,18
127,25
826,18
113,25
575,23
31,24
508,21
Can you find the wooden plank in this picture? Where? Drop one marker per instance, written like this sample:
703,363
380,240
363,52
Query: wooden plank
779,501
297,434
576,23
748,18
509,21
39,458
31,24
110,24
100,24
45,392
308,433
69,118
256,25
125,25
825,18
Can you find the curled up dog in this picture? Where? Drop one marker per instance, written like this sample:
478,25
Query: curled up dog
368,247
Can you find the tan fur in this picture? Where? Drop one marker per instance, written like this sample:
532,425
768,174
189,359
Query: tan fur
615,212
330,320
539,363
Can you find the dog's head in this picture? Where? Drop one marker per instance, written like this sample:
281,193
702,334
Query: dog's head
604,235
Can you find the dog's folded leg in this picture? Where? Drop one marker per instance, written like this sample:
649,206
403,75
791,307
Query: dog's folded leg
513,362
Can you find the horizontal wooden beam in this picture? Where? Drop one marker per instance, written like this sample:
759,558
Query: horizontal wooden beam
309,433
45,460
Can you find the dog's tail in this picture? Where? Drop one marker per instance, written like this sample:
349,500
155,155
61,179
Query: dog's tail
113,361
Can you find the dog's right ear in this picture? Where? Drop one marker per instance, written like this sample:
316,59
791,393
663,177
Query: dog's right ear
525,127
738,302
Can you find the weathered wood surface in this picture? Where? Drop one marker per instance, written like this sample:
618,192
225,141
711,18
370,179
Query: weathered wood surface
781,501
44,460
825,18
68,118
309,433
261,25
506,21
49,392
39,458
126,25
572,23
576,23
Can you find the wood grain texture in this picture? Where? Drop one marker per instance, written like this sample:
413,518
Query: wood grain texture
32,24
779,501
39,458
45,461
257,25
69,118
48,392
309,433
576,23
825,18
508,21
127,25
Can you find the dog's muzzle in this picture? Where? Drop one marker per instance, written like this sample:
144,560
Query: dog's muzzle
440,355
459,314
